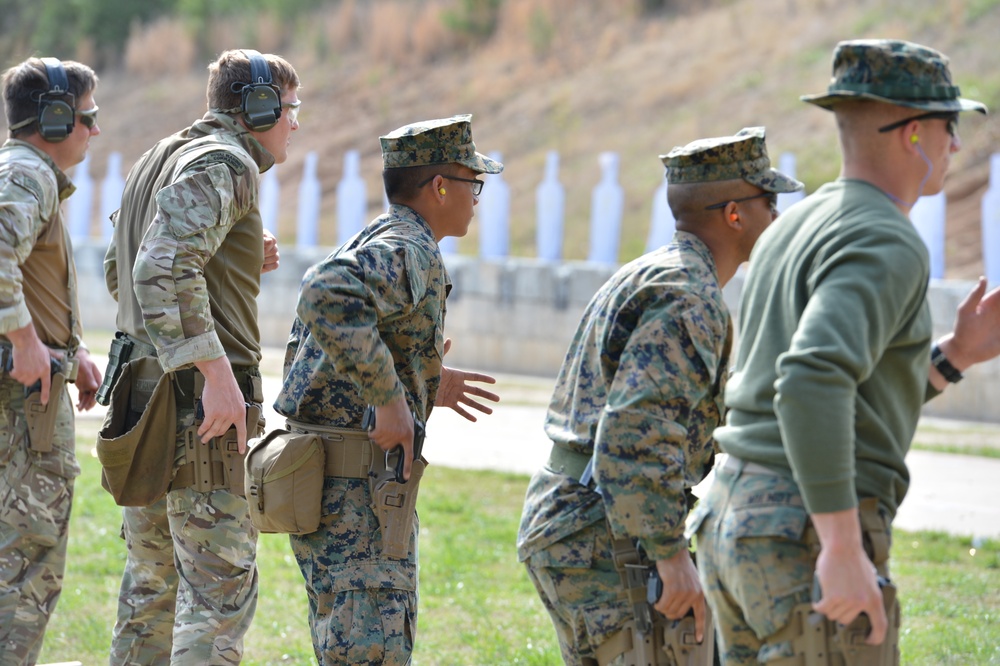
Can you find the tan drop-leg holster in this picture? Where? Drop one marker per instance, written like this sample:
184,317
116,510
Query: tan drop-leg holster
817,641
649,638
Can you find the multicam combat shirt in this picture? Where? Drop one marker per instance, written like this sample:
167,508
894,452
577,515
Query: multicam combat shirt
642,383
370,325
35,253
189,235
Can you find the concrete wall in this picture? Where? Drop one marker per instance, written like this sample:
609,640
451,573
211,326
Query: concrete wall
519,315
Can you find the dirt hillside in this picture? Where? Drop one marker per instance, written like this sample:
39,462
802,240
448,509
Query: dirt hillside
582,78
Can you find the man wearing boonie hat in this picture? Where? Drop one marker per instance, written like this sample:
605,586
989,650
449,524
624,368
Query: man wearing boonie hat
368,331
633,411
834,363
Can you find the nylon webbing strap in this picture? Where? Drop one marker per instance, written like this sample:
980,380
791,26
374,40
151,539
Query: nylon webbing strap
349,452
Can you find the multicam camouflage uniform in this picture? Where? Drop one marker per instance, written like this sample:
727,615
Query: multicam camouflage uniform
370,328
191,227
36,489
829,381
639,393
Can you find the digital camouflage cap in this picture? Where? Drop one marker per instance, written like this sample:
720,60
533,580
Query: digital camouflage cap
894,72
743,156
441,141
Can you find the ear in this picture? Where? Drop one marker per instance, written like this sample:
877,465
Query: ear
911,136
439,188
731,215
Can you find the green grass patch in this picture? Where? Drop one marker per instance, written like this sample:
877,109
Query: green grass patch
477,605
981,451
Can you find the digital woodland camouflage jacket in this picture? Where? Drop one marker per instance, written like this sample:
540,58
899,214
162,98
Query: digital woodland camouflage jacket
642,382
370,325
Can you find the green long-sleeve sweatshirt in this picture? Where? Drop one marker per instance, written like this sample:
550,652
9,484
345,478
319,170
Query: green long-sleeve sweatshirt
834,348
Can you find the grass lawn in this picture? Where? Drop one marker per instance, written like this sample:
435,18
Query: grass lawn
477,605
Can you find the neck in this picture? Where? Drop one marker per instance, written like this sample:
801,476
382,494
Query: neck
726,256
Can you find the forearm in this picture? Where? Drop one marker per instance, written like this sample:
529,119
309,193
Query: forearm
639,468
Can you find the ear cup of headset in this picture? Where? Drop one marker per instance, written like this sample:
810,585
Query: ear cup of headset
261,101
55,115
55,119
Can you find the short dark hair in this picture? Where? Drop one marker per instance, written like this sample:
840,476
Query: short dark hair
23,83
403,184
233,66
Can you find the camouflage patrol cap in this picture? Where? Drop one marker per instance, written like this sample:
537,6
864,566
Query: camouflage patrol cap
441,141
743,156
894,72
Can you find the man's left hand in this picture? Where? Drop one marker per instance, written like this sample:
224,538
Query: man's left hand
88,380
455,390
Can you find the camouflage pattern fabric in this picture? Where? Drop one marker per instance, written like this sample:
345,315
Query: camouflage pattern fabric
441,141
191,222
362,605
743,156
640,391
36,494
369,328
32,230
755,563
894,72
580,588
36,489
370,325
189,591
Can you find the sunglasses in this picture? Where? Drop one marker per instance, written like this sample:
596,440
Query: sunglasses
950,117
772,200
293,111
88,118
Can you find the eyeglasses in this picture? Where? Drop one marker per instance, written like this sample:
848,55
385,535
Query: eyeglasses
951,117
772,200
293,111
477,185
88,118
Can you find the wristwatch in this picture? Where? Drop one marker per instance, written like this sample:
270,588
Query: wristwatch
944,366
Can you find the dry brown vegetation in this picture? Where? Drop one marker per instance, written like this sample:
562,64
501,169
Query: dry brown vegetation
578,76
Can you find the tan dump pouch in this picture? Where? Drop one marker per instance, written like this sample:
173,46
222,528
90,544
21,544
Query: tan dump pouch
136,444
818,641
284,482
41,418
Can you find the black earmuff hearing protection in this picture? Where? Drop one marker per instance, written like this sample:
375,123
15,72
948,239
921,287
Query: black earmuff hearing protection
261,99
55,114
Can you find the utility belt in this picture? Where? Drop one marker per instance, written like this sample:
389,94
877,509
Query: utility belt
41,419
348,452
818,641
285,492
567,461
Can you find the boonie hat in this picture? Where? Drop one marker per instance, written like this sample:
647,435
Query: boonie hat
743,156
441,141
895,72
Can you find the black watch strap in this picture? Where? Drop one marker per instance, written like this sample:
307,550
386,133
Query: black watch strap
944,366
